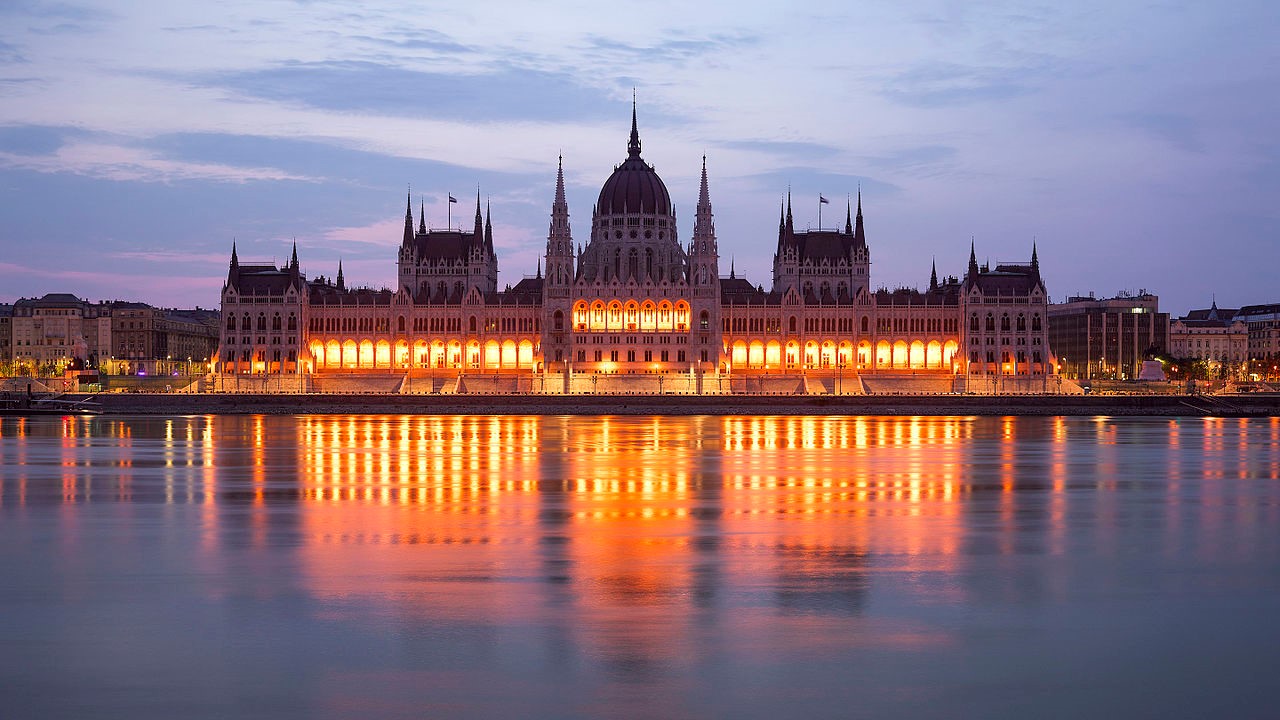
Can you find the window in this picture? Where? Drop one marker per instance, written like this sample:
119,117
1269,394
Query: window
231,322
558,320
991,323
1004,322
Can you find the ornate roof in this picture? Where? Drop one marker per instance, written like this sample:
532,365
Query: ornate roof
634,186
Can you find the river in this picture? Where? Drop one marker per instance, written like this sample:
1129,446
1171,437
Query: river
580,567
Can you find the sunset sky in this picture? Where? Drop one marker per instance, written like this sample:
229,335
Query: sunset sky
1136,143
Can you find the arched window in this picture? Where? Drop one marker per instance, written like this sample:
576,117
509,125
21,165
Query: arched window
275,322
472,323
245,323
1035,322
973,322
792,324
1022,322
293,322
633,263
991,322
262,322
648,262
1004,322
866,323
231,321
704,320
400,323
557,321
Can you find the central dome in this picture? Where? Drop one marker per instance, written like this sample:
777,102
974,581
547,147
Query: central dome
634,187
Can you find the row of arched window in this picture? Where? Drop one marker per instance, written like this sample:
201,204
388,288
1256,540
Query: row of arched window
975,325
247,322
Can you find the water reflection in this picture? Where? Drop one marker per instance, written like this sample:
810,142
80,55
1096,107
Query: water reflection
630,556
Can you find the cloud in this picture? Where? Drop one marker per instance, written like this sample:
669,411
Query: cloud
169,256
505,93
935,84
1179,131
122,163
672,51
792,150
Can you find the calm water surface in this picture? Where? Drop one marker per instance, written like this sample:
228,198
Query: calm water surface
565,567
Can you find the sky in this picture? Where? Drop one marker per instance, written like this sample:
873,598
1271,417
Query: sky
1134,143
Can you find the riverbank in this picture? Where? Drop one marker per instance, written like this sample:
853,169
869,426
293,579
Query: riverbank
273,404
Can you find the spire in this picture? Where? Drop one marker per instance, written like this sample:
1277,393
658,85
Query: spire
539,275
848,223
488,229
973,261
1035,261
422,216
704,197
633,146
782,217
478,231
790,224
293,261
859,234
933,275
408,217
235,261
342,285
732,273
560,181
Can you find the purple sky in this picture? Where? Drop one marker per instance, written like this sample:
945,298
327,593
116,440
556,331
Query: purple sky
1135,142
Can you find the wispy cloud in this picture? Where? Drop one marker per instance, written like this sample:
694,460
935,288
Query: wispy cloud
116,162
503,93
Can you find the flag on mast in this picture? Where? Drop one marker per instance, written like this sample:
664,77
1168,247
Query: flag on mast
823,200
453,199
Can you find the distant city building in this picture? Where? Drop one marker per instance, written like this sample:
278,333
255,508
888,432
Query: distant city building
6,333
1263,323
1107,338
58,327
637,310
143,336
1215,334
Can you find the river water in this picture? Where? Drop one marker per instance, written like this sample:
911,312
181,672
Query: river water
667,567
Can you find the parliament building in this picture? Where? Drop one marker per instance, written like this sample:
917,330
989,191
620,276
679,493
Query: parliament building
635,309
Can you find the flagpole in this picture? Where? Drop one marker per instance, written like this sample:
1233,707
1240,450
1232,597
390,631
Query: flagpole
448,204
819,212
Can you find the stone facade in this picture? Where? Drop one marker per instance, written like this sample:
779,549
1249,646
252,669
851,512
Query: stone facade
636,309
1214,334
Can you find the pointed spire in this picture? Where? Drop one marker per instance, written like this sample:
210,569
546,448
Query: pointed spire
408,217
1035,261
848,222
704,196
293,260
342,285
560,181
539,275
732,272
973,260
633,146
422,216
488,229
782,217
235,261
933,275
859,233
790,223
